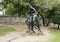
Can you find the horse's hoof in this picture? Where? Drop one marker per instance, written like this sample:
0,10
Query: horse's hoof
34,32
42,34
38,34
26,31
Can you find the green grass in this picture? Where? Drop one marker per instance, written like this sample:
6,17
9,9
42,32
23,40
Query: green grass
55,35
4,30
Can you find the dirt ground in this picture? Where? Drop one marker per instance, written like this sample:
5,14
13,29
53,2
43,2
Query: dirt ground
20,34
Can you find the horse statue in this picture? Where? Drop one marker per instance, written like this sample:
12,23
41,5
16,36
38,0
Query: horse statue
33,21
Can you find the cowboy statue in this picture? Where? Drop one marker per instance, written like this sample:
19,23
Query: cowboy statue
33,20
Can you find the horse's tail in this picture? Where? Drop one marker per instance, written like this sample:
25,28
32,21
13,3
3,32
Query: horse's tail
26,21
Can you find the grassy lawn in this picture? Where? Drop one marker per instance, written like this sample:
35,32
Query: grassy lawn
4,30
56,35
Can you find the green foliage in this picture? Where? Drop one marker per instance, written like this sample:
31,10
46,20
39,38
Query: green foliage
14,6
10,10
50,13
24,3
53,15
56,19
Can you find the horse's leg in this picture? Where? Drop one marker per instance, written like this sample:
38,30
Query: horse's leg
32,28
39,29
29,27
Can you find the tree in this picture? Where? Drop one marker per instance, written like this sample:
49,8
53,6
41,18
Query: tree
46,8
16,4
19,4
56,19
50,14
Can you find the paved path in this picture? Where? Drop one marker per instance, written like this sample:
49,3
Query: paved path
25,37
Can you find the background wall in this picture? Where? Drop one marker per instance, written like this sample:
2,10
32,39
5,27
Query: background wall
11,20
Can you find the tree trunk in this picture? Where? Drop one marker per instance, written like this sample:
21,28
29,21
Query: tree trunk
19,9
19,12
58,26
48,22
43,22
